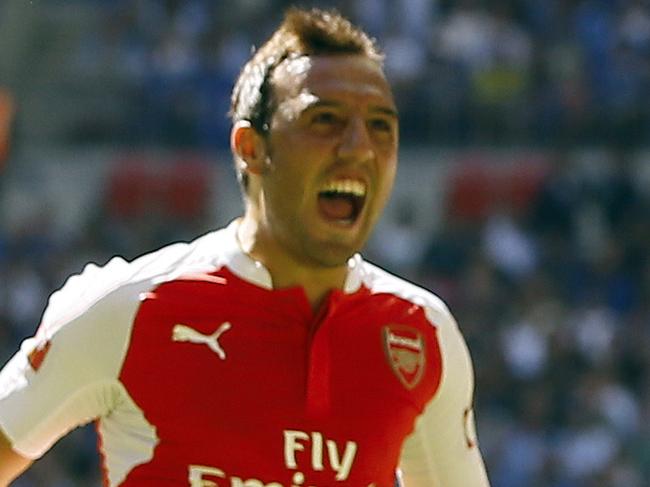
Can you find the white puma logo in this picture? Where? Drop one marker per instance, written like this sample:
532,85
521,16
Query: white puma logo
183,333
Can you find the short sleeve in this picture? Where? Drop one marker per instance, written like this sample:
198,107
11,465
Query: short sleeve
443,450
66,375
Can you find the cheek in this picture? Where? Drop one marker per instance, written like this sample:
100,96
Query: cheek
388,176
286,187
296,149
295,165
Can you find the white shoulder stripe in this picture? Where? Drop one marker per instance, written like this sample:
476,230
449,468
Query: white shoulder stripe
82,291
378,280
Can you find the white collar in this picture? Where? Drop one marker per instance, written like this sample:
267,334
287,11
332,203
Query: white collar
251,270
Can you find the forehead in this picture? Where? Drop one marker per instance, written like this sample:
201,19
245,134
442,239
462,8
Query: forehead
343,78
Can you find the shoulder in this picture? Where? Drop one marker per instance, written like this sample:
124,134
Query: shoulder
120,282
378,280
454,354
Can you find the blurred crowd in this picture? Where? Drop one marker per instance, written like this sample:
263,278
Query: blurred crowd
465,71
549,287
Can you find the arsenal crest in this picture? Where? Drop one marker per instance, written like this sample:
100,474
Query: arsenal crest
405,351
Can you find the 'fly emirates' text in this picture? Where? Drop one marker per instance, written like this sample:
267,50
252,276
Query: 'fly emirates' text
324,454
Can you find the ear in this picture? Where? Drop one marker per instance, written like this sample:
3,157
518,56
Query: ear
249,147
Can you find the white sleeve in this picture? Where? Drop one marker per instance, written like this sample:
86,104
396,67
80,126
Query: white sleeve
83,339
442,451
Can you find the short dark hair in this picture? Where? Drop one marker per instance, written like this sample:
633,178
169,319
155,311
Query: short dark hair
302,33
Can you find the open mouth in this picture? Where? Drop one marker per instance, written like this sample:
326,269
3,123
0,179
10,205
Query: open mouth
342,201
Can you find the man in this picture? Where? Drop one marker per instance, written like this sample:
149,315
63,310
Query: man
267,353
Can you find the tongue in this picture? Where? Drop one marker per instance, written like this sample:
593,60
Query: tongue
336,207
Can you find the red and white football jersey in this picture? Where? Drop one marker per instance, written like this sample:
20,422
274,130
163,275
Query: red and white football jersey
199,373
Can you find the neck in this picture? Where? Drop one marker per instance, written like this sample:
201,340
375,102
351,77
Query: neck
287,271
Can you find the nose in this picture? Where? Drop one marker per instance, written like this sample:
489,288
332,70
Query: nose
356,144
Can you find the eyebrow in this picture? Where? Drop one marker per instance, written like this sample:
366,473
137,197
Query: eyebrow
384,110
391,112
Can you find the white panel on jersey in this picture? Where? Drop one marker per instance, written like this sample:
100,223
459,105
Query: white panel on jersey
380,281
127,439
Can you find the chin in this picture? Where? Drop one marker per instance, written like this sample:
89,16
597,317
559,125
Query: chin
332,254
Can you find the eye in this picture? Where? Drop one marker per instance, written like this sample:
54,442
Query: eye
325,118
381,125
326,122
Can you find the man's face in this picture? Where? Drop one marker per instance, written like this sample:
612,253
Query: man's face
332,149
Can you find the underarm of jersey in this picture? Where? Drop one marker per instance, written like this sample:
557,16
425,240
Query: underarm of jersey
443,450
33,430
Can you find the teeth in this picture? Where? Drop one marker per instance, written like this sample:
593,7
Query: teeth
350,186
